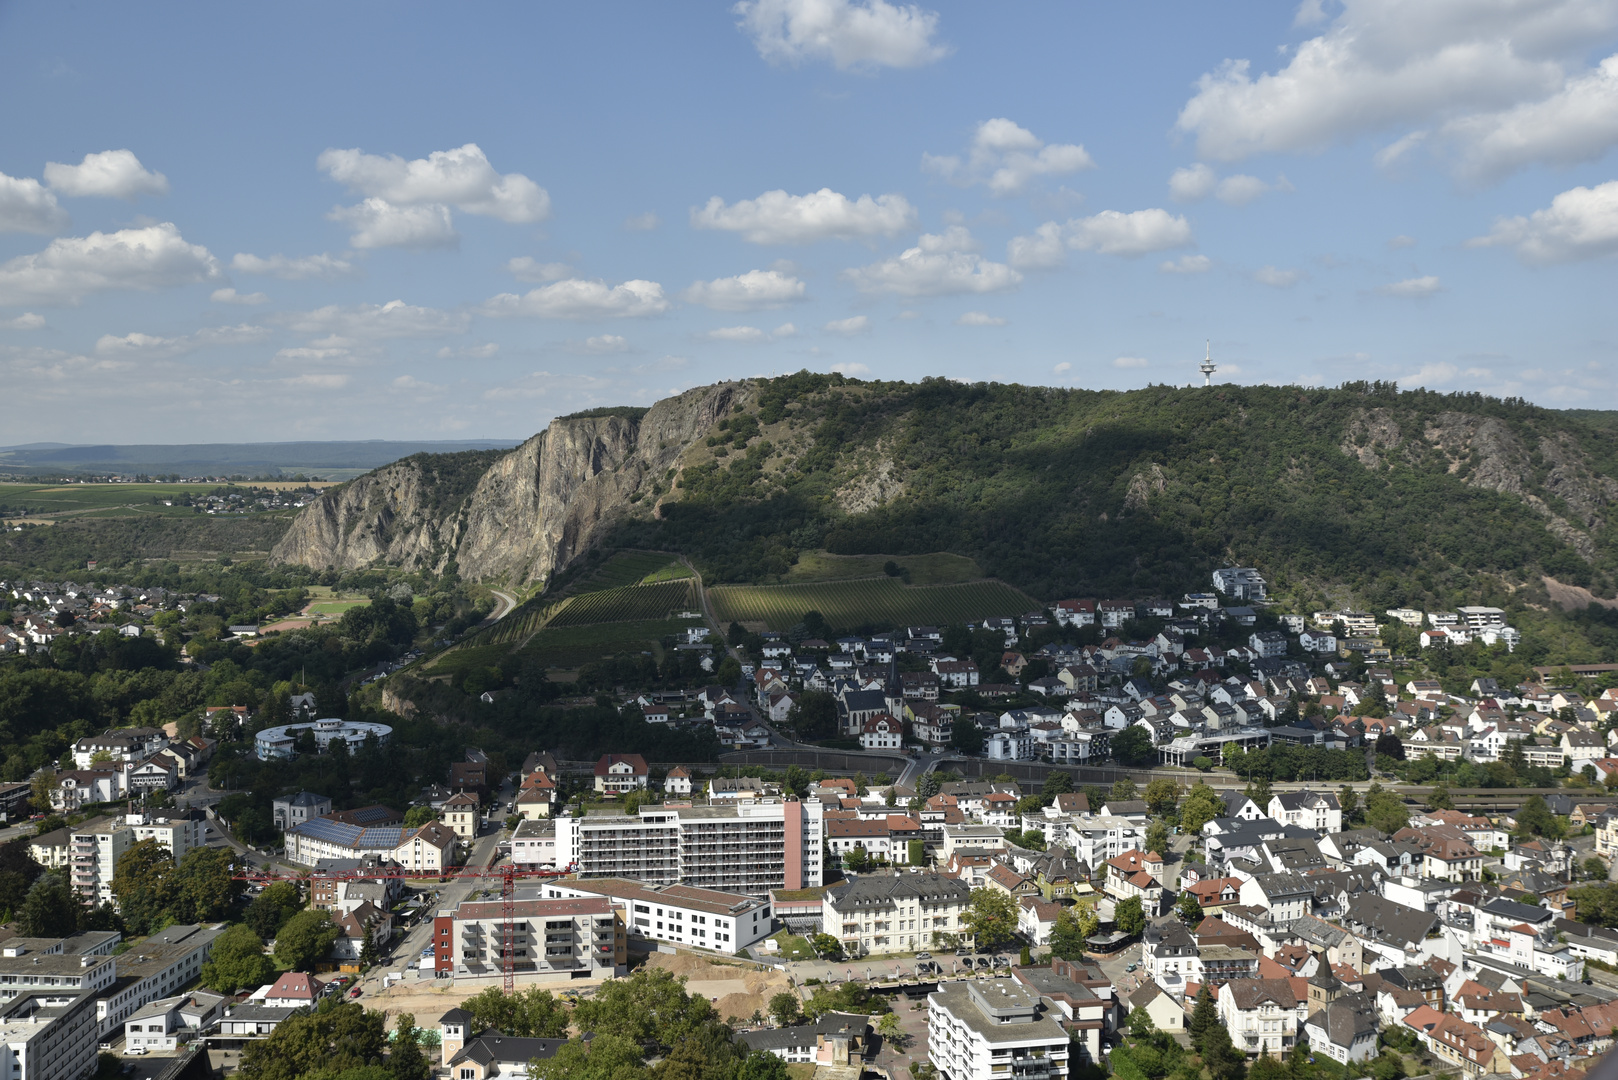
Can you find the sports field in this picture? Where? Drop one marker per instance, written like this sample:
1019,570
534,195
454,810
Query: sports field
875,601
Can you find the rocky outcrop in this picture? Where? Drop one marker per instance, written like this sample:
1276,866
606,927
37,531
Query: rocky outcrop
531,513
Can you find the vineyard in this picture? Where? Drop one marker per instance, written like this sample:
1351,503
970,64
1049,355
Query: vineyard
631,568
570,646
636,602
871,601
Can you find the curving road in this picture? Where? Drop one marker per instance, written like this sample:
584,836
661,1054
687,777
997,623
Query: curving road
507,601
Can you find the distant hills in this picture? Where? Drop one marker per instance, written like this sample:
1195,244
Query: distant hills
332,460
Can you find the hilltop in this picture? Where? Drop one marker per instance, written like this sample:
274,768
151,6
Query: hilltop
1360,494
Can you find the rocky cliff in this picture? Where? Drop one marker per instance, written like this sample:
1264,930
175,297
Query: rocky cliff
532,511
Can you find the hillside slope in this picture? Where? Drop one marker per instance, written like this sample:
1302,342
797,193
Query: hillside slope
1358,494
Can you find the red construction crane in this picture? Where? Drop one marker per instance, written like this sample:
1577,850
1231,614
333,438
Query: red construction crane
507,875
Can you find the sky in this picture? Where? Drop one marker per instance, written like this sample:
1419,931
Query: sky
301,221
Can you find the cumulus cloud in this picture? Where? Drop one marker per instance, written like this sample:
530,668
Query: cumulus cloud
290,268
1005,157
857,324
70,268
1415,287
736,333
1279,279
394,319
470,352
1581,223
113,174
1043,249
1140,232
642,222
26,206
231,296
462,178
1187,264
1192,183
527,268
848,33
1063,368
1130,362
784,330
853,371
378,223
1496,86
939,264
576,298
26,321
979,318
752,291
778,218
1239,190
599,345
1401,241
150,346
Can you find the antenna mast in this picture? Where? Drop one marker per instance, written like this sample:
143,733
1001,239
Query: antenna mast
1208,367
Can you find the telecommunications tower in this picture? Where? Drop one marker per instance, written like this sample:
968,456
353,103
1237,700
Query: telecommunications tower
1208,367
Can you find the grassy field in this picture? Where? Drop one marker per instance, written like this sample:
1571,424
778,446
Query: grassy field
636,602
939,568
630,568
879,601
570,646
335,607
465,658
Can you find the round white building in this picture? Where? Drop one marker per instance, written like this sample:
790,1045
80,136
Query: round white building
278,742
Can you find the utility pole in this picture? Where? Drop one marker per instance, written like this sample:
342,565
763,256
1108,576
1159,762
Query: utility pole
1208,367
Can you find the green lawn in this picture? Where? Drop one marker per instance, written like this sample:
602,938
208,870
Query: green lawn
939,568
884,600
794,947
335,607
570,646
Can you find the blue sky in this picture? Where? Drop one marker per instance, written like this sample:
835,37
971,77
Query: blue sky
390,221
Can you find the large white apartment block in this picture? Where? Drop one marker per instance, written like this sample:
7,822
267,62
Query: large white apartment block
428,849
702,918
48,1035
873,914
96,848
749,847
549,939
994,1030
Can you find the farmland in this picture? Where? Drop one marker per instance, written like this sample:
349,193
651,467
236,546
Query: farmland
635,602
570,646
630,568
880,601
939,568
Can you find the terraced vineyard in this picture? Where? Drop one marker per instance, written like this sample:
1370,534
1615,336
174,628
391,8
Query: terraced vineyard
879,601
526,619
634,603
570,646
631,568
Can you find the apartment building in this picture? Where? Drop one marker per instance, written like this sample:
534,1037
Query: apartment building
156,968
48,1035
749,847
704,918
27,968
534,843
429,849
290,810
995,1030
460,812
95,848
884,913
581,937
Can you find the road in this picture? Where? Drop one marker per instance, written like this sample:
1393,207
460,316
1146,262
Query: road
507,602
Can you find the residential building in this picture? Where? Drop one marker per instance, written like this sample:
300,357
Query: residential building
840,1040
290,810
429,849
1262,1015
534,844
159,1026
984,1030
1344,1028
97,847
461,812
48,1035
872,914
702,918
549,939
618,774
155,968
1318,810
1240,583
281,742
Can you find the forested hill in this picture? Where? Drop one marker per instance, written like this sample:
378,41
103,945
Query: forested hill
1358,494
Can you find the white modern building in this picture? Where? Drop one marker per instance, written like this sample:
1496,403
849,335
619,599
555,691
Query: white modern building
549,939
701,918
281,742
996,1029
95,848
428,849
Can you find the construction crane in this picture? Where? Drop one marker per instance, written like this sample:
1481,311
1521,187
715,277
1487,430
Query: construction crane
507,875
1207,367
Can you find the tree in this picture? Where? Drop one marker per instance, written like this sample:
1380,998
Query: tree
785,1009
930,784
529,1013
1259,791
1265,1067
1140,1023
417,816
1534,818
141,884
405,1059
1129,916
201,888
1190,908
1386,812
1067,939
917,851
1224,1061
271,908
1201,806
888,1026
1389,744
51,909
1056,783
991,918
238,962
1204,1015
651,1006
305,938
1123,790
729,673
1349,800
1438,798
1157,836
965,736
814,716
1133,747
1161,795
605,1057
826,947
330,1040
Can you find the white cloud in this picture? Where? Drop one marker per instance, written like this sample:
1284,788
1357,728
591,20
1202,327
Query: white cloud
856,324
1043,249
979,318
1581,223
1005,156
462,178
113,174
605,343
288,268
642,222
1239,190
737,333
848,33
527,268
1130,362
1187,264
70,268
394,319
1112,232
579,299
778,218
410,382
752,291
149,346
784,330
378,223
26,321
1063,368
1401,241
853,371
1417,287
1192,184
25,206
470,352
231,296
1279,279
313,381
939,264
1499,85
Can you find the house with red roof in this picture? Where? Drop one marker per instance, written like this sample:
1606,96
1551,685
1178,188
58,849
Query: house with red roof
293,990
619,774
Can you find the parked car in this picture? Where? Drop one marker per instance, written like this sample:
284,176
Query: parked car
924,956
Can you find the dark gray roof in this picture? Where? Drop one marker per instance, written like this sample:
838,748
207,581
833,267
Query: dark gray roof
1347,1020
805,1036
491,1047
1515,912
1383,920
881,890
1298,800
1284,885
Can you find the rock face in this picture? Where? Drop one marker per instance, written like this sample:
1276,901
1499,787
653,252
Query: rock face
531,513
